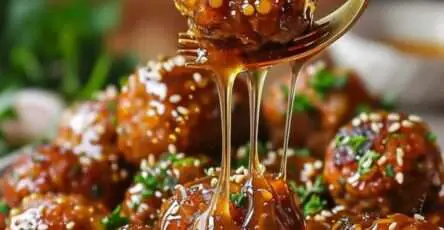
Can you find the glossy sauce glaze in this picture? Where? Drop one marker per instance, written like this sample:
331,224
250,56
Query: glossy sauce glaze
247,24
384,162
261,212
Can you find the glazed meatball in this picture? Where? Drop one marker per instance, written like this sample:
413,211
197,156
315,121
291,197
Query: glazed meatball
327,98
155,183
385,162
90,127
274,205
165,104
344,220
247,24
57,212
49,168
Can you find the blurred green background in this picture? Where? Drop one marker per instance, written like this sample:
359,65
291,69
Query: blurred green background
56,47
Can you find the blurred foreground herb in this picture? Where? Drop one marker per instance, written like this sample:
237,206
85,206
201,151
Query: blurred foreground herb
58,46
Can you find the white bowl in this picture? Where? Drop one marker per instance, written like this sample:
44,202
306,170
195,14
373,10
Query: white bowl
411,79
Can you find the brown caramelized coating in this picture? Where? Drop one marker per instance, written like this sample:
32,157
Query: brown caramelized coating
155,183
326,99
3,220
49,168
248,23
385,162
90,127
165,104
57,212
277,211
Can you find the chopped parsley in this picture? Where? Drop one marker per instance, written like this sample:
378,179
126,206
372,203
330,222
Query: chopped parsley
305,152
4,208
311,196
354,142
314,205
363,108
389,171
324,81
366,162
301,103
114,220
238,199
149,183
432,137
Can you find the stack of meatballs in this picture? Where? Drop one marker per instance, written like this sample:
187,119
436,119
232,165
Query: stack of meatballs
127,157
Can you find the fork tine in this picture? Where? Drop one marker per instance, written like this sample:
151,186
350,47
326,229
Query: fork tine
316,30
310,43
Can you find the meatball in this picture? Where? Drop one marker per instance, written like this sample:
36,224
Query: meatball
327,98
167,105
386,162
50,168
344,220
155,183
57,212
248,24
274,205
90,127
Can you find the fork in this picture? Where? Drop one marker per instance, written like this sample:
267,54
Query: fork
324,32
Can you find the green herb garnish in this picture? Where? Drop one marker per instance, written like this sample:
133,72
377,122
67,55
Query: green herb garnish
432,137
314,205
4,208
363,108
238,199
324,81
114,220
310,196
366,161
302,152
389,171
302,104
354,142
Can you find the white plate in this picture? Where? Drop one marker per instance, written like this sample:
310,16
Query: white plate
413,80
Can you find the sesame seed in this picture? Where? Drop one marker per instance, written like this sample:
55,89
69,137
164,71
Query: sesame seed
364,117
400,156
319,218
70,225
415,118
382,160
418,217
392,226
353,178
393,117
176,98
317,164
197,77
375,117
356,122
182,110
375,127
394,127
399,178
406,124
